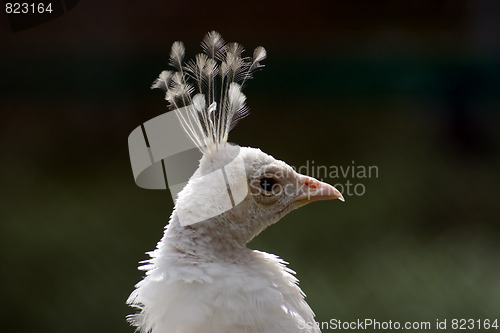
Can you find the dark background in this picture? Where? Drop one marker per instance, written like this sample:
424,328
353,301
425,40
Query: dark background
411,87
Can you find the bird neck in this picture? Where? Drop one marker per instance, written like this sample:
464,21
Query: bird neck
208,240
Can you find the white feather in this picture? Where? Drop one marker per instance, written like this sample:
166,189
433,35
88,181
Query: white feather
177,55
259,54
202,280
202,277
215,74
199,102
235,102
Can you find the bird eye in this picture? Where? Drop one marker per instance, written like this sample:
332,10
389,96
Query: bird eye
267,184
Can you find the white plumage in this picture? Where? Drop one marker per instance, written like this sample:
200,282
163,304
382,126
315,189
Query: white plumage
202,277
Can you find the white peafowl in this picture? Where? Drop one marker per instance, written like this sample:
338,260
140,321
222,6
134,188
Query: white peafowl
202,277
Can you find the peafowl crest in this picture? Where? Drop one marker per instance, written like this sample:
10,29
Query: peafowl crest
210,86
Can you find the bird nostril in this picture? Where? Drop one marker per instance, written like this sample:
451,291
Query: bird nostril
311,183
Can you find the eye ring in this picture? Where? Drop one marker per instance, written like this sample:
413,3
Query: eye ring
267,184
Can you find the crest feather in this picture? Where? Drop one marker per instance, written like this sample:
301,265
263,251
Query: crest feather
216,78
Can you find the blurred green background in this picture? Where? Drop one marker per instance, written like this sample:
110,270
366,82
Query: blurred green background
412,87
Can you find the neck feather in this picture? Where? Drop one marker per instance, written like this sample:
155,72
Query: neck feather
207,240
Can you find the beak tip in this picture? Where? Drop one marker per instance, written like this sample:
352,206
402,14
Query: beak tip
320,190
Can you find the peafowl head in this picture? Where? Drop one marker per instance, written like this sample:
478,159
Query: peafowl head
236,192
258,192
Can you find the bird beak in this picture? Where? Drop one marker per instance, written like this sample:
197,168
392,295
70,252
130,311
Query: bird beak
311,189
